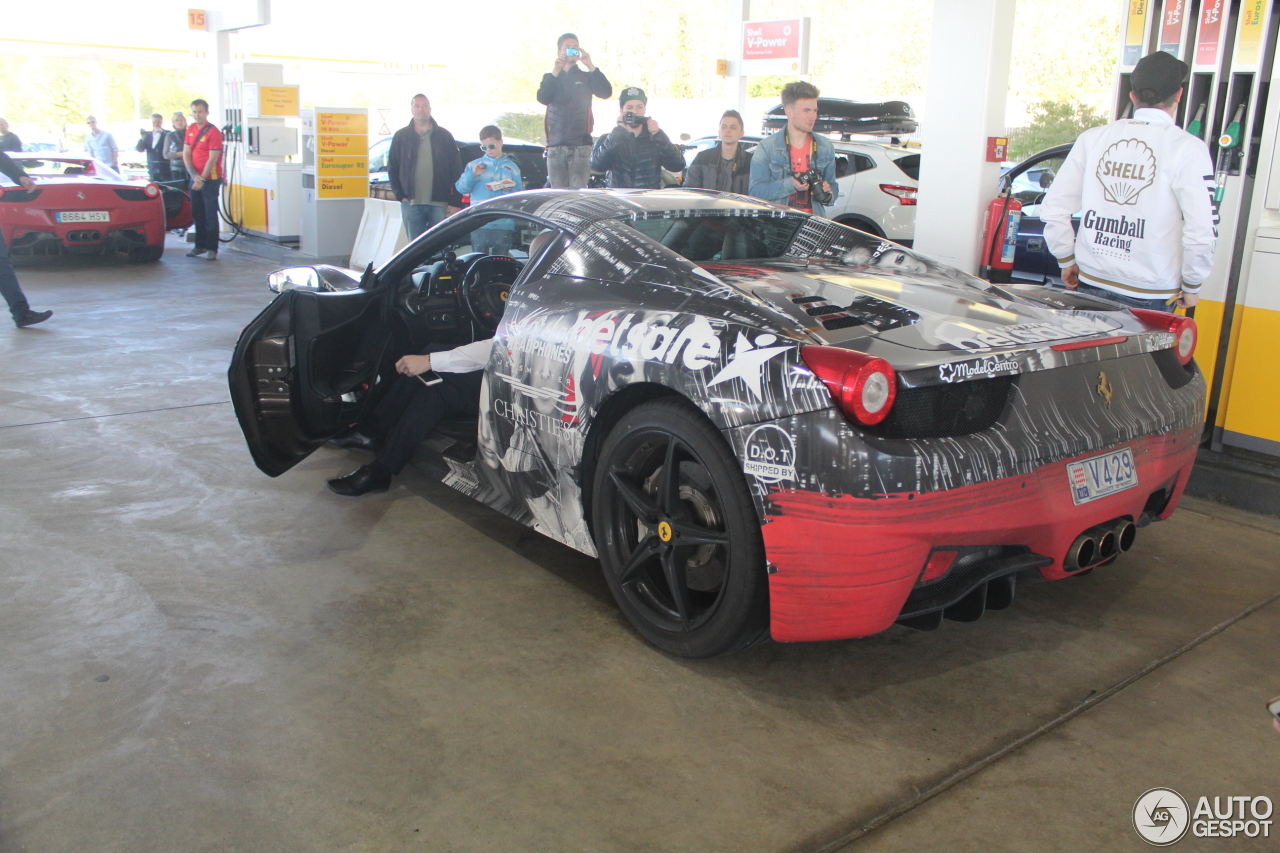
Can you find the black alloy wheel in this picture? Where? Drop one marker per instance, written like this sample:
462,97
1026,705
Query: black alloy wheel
677,533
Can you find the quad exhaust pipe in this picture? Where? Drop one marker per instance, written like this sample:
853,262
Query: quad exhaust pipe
1100,544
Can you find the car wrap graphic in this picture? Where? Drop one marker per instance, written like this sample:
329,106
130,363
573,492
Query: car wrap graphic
995,398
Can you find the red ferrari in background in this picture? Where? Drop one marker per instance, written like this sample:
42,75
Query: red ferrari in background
82,206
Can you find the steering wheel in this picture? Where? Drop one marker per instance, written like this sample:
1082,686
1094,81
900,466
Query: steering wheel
485,289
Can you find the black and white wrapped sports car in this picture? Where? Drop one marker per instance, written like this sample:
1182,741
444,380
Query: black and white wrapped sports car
762,422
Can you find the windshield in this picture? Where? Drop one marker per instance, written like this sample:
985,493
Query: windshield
721,238
54,168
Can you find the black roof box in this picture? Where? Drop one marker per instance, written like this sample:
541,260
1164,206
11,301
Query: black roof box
836,115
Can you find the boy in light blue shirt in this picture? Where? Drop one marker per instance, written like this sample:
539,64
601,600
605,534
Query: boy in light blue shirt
490,176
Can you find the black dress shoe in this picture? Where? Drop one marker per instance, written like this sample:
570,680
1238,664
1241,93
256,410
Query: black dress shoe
31,318
358,440
361,481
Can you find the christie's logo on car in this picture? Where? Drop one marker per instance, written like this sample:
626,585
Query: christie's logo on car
986,368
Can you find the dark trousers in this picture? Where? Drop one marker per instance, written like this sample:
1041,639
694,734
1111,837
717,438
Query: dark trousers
204,214
410,412
13,293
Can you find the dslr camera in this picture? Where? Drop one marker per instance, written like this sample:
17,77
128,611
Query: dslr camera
633,120
813,178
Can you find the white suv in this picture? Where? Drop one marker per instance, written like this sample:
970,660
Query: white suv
878,186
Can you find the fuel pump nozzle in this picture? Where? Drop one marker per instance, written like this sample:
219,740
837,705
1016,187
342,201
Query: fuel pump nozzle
1229,139
1196,128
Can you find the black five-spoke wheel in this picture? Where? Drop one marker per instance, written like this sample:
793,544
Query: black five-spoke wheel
677,534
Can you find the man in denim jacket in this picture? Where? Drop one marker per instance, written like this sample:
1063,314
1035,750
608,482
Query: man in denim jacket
793,150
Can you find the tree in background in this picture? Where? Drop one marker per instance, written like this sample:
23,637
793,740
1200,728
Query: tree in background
526,126
1052,123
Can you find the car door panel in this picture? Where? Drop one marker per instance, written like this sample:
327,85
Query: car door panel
304,369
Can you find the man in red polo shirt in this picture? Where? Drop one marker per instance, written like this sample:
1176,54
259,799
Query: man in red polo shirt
202,153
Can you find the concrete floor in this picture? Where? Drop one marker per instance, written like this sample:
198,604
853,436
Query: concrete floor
200,658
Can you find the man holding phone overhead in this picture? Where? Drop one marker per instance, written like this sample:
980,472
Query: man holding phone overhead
566,91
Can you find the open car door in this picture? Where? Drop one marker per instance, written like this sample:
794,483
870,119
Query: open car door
304,369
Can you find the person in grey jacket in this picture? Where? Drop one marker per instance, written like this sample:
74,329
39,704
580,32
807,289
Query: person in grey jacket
566,91
725,167
793,150
173,148
636,151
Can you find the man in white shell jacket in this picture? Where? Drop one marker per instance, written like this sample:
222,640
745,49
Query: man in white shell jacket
1144,190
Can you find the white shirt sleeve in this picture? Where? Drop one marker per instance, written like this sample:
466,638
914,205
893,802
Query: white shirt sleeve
1193,187
1060,203
463,359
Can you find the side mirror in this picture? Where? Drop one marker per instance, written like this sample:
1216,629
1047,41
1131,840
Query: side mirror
294,278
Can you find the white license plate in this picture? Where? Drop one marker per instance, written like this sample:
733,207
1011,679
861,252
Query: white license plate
1100,476
84,216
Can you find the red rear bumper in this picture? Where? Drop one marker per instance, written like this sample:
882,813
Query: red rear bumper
845,565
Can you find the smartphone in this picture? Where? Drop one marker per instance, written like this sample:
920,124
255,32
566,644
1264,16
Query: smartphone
429,378
572,52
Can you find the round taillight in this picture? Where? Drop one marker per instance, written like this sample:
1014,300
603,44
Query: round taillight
864,387
153,190
1186,342
1183,328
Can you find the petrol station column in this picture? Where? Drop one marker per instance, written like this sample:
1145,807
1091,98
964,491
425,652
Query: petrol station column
969,58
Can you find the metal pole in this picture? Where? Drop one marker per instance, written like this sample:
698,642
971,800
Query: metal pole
739,14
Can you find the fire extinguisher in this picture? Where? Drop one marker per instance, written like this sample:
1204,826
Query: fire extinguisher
1000,239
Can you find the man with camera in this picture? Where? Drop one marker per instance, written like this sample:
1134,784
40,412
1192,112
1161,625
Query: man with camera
636,151
796,166
566,91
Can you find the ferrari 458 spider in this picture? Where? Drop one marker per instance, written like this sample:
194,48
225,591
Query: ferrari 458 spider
81,206
763,423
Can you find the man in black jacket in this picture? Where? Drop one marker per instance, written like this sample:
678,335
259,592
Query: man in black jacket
636,151
153,141
566,91
9,289
423,165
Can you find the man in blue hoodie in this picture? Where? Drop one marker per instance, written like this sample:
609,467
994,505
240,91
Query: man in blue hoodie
490,176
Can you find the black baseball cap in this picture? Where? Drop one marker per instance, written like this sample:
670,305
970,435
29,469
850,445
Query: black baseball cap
632,93
1157,77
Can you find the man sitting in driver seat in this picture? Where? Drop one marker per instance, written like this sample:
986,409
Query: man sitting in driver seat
410,412
412,409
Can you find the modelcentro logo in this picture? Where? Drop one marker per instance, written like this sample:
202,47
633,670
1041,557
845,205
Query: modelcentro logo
1161,817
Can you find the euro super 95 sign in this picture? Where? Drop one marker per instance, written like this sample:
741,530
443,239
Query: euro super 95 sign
775,47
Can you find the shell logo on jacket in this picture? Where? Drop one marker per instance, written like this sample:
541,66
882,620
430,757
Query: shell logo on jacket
1126,169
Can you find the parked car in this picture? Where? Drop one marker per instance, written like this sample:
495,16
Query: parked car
763,423
529,156
1031,179
879,186
82,206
